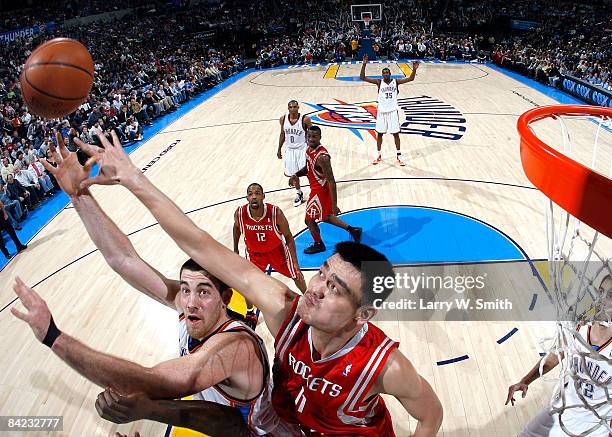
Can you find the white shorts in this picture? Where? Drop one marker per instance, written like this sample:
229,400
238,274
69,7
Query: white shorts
546,424
387,122
295,159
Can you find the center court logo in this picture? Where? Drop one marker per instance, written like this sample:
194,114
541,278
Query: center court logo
419,115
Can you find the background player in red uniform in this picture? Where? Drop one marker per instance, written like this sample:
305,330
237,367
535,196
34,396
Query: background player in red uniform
322,204
268,240
332,318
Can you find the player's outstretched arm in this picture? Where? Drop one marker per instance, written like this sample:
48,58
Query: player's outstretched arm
271,296
114,245
217,360
362,74
415,66
550,362
207,417
400,379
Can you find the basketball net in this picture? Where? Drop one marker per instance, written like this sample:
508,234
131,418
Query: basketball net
578,261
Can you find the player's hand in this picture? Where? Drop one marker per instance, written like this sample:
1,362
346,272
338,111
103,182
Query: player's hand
279,154
118,408
115,165
118,434
365,59
415,65
38,315
293,180
513,389
69,173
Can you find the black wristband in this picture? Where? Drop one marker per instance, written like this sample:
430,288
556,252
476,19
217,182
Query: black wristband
52,334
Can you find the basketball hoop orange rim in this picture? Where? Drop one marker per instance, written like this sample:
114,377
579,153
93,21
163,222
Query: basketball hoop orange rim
584,193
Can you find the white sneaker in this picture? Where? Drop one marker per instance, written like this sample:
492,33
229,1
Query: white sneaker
299,199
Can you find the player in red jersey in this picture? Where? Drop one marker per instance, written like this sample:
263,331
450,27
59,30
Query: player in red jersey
268,240
322,204
331,319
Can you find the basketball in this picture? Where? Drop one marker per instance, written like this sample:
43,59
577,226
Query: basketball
57,77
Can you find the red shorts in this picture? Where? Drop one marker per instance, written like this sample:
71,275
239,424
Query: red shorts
319,205
279,259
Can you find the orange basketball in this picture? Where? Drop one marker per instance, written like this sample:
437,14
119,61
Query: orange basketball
57,78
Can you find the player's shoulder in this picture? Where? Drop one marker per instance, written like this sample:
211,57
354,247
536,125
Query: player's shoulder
233,336
323,155
282,119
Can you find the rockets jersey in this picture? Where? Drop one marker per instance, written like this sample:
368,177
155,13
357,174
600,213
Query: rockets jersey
260,236
327,396
258,412
316,178
578,420
387,96
295,134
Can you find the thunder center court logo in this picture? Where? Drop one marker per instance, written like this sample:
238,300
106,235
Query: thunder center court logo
420,115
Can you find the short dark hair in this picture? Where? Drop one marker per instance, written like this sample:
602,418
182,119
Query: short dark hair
193,266
292,101
256,185
386,68
315,128
371,264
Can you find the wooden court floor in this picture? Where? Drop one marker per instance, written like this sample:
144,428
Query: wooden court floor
230,141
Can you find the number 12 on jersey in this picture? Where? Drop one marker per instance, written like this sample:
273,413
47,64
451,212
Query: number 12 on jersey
261,236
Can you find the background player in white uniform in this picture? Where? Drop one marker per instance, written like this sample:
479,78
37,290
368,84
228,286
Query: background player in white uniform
293,136
387,118
580,419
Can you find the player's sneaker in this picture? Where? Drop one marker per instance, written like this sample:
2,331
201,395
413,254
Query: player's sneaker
315,248
355,233
299,199
401,163
377,160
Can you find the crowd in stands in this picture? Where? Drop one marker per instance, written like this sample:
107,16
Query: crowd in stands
573,39
139,76
149,64
568,38
14,16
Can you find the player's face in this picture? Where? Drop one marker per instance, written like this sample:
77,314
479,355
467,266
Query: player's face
201,302
313,138
255,197
330,303
386,74
293,108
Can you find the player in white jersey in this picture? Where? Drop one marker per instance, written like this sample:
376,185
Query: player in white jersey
293,136
387,118
595,338
234,363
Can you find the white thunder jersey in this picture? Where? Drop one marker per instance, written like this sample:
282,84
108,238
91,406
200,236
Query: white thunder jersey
387,96
295,135
578,420
258,412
